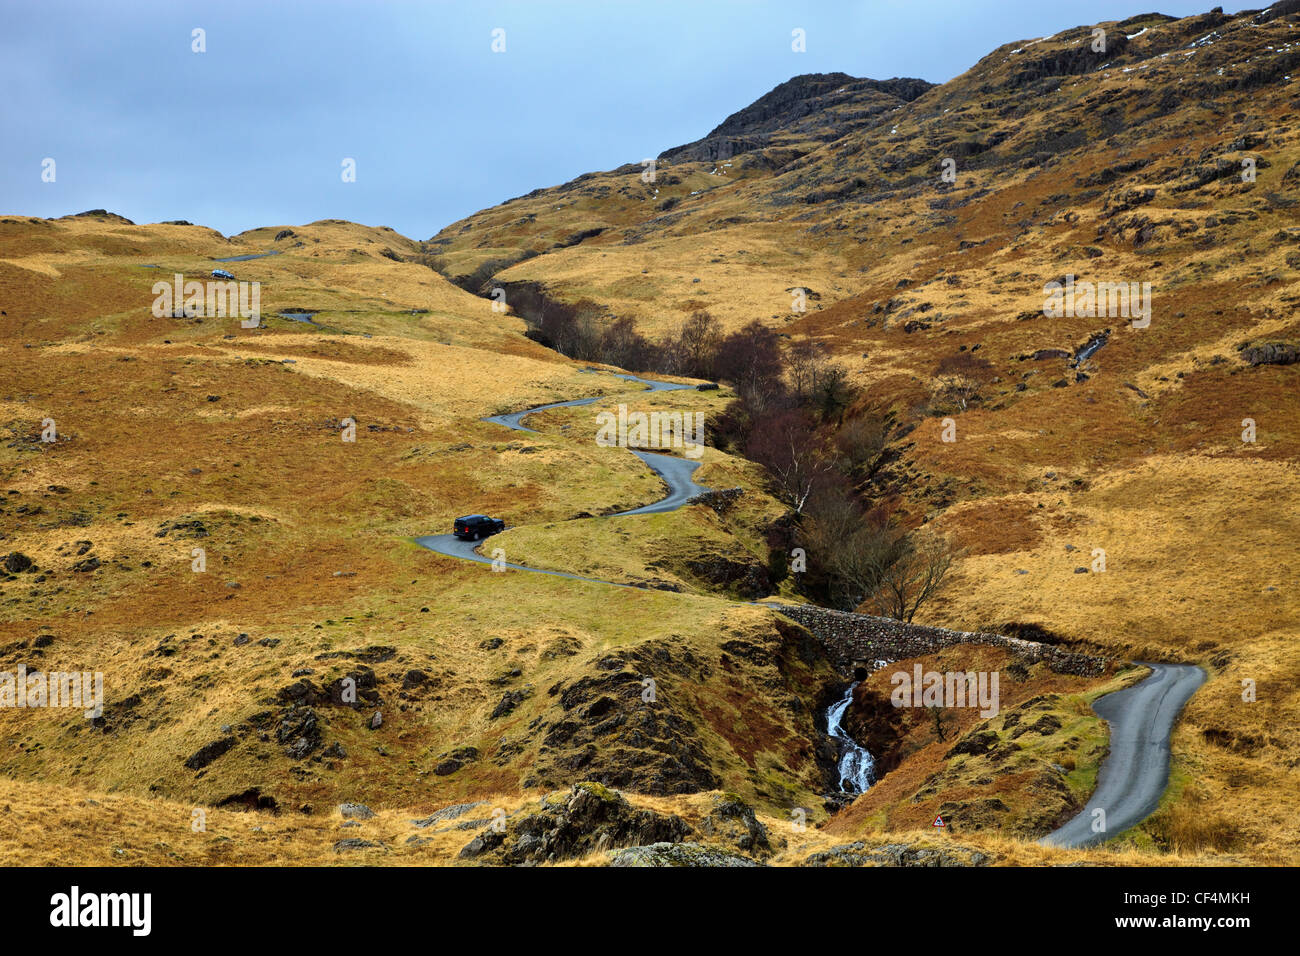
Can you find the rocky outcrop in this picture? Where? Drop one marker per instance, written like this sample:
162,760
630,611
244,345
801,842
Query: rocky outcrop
672,716
210,752
897,854
815,106
746,579
679,854
1271,353
732,820
603,727
16,562
720,501
587,819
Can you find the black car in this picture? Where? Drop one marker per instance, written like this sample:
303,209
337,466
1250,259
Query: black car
473,527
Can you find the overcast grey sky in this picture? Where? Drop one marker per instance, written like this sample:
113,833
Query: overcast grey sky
254,131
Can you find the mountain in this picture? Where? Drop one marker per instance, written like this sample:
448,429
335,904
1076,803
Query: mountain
1124,489
808,109
1169,156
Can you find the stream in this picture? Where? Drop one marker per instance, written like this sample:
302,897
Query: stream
856,764
1090,348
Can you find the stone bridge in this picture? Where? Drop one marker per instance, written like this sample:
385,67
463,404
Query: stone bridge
859,640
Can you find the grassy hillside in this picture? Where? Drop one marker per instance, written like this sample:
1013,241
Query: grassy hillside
1117,166
225,688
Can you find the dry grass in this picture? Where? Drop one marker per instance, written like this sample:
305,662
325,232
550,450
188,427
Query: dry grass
1142,460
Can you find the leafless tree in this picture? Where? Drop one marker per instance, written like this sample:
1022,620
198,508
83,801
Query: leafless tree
959,380
697,345
864,444
786,444
860,561
913,577
805,359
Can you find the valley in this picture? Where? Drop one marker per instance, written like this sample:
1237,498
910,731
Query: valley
246,528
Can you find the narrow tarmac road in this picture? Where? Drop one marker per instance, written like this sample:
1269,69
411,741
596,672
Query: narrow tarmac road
1134,774
675,472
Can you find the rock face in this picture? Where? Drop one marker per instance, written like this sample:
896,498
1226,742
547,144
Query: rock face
678,854
588,818
897,854
733,820
820,105
1271,353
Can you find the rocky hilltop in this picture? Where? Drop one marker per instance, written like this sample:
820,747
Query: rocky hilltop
815,107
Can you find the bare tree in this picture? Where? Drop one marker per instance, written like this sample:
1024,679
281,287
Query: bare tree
864,443
832,393
621,344
697,345
786,444
750,359
960,378
805,359
913,577
855,550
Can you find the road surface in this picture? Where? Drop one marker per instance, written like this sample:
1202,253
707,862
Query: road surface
675,472
1134,774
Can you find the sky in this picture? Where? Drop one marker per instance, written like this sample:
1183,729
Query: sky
255,130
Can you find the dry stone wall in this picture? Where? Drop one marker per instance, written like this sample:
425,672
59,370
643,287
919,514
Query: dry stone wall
850,638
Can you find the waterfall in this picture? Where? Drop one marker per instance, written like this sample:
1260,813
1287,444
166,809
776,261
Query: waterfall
856,764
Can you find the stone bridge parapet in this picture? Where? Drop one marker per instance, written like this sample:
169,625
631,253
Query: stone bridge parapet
854,638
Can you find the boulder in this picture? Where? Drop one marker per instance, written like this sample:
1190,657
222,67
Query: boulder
678,854
564,826
210,752
355,811
733,820
16,562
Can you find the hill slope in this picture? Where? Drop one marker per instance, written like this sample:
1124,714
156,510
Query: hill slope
224,687
1169,157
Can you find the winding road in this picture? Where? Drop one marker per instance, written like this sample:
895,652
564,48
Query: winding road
675,472
1134,773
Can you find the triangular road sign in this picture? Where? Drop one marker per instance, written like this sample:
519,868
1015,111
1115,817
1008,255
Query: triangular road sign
938,822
